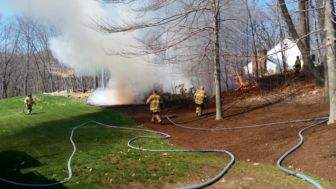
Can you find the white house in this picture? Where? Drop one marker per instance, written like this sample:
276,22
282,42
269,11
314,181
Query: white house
274,60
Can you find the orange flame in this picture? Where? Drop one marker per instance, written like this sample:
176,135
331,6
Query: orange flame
244,86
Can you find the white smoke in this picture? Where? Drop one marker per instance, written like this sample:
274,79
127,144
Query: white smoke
81,48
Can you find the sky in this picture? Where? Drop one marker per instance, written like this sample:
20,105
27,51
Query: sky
3,8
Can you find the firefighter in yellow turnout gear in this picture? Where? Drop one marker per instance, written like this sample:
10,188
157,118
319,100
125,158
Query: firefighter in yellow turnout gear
29,103
156,104
200,98
297,66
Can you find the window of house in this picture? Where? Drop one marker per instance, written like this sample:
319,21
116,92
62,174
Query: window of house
286,45
313,57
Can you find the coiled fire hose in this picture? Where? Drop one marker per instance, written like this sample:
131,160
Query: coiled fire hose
23,110
324,119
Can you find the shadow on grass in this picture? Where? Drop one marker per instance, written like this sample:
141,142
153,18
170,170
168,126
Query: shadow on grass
50,141
11,164
269,103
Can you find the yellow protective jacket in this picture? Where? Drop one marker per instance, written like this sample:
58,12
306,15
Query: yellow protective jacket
29,101
297,64
200,97
155,102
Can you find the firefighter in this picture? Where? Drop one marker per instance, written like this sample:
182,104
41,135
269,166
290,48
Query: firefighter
156,104
200,97
29,103
297,66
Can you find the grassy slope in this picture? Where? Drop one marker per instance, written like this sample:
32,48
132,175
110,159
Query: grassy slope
35,149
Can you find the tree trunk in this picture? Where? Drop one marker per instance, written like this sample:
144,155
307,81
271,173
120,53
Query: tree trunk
51,83
35,86
103,79
56,83
304,30
25,82
305,51
66,85
326,83
281,43
215,21
330,57
317,42
209,78
320,16
73,84
4,86
88,86
95,80
82,84
39,71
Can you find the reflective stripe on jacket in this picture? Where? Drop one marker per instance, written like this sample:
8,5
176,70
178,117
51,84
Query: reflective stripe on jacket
155,102
200,97
297,64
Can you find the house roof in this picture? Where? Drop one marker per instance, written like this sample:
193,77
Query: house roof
290,38
274,60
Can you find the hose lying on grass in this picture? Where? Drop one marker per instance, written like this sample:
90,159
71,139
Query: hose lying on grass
220,175
24,110
324,119
165,136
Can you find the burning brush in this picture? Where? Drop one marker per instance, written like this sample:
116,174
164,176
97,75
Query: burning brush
246,85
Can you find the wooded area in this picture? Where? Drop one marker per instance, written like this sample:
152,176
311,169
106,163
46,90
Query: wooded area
28,65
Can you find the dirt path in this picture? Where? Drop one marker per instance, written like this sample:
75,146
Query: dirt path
265,144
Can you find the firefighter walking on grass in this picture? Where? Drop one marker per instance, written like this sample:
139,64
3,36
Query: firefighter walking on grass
200,97
29,103
297,66
156,104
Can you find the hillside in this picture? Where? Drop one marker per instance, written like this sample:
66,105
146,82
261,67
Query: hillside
284,100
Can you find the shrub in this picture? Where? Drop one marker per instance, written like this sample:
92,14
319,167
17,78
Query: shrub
263,70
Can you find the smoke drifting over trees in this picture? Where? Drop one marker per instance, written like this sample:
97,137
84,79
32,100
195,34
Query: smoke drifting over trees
66,43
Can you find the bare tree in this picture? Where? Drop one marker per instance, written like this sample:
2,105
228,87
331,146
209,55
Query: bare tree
26,45
8,47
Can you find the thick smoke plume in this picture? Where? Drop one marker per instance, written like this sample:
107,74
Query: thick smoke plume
82,49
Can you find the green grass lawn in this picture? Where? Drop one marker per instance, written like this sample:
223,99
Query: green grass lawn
35,149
